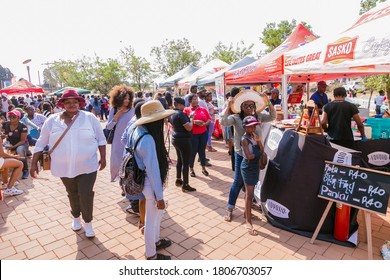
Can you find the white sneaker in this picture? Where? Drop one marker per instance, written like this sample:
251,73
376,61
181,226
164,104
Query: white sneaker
89,230
12,192
76,224
5,186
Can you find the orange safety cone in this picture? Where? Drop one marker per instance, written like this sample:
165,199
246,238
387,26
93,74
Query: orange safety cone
341,222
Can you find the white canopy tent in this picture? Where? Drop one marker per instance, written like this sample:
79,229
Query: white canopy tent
172,80
211,67
210,79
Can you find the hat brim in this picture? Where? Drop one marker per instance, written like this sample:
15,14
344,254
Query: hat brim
252,124
248,95
81,100
154,117
14,114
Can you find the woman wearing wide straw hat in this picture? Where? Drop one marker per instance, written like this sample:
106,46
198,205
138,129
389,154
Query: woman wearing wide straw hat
245,103
75,159
151,155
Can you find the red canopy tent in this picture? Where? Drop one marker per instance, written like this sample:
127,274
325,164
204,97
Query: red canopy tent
270,67
21,86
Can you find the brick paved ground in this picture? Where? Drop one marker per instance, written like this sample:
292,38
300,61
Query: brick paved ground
36,225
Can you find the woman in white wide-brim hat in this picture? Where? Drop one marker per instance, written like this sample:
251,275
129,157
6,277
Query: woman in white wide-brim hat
246,103
151,155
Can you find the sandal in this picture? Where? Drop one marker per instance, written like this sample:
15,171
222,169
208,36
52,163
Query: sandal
229,215
211,149
250,229
205,173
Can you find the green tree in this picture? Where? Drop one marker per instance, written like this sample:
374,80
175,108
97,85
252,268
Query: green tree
230,54
106,75
172,56
138,68
366,5
274,34
89,73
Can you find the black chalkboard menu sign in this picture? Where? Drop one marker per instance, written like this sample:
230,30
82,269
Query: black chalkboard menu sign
362,188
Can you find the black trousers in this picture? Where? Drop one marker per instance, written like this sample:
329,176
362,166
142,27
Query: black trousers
80,194
183,152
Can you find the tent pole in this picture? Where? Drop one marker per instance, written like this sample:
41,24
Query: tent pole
284,96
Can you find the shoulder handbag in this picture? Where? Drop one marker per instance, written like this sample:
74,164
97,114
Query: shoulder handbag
45,159
109,133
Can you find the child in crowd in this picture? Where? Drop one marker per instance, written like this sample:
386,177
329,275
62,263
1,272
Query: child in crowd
251,148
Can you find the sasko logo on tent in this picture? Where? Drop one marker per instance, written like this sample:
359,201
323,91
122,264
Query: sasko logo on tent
341,50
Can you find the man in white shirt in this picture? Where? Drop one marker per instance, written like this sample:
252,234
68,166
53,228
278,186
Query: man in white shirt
201,97
379,101
37,119
28,100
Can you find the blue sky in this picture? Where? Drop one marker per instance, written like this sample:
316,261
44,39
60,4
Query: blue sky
47,30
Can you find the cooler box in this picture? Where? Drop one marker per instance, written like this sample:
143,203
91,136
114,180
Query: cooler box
380,127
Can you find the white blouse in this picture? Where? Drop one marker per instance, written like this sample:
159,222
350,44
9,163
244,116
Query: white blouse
76,154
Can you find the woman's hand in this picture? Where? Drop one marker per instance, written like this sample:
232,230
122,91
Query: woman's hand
256,137
265,98
119,113
160,204
199,122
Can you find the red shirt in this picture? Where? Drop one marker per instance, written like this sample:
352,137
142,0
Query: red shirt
200,114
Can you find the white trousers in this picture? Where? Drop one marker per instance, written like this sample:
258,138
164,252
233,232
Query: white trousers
152,220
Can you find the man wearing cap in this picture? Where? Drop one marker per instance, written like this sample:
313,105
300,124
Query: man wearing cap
181,140
319,97
275,100
193,90
201,95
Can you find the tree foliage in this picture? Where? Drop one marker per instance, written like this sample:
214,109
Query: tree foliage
366,5
89,73
274,34
230,54
138,68
172,56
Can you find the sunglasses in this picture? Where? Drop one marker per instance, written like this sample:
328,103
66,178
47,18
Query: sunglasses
248,106
12,117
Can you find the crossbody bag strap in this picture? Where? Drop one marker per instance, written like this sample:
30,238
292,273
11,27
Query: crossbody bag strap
63,134
115,111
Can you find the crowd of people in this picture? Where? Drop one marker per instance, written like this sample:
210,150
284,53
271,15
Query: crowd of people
70,128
